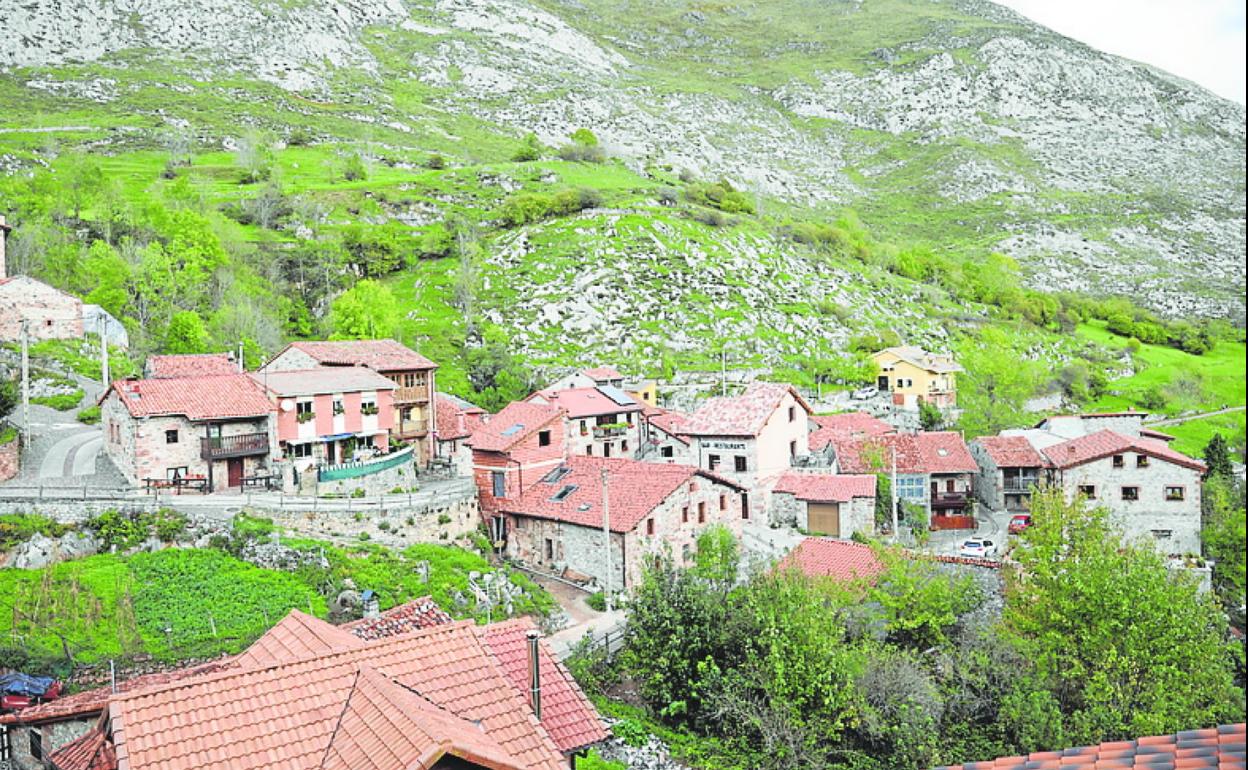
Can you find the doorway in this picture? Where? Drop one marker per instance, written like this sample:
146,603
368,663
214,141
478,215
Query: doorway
234,472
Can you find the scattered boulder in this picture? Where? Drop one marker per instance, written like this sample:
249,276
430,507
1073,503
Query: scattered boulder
41,551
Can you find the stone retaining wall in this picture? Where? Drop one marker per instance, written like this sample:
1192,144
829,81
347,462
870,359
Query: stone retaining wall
441,520
10,461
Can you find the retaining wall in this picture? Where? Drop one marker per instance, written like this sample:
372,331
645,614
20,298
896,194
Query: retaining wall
10,461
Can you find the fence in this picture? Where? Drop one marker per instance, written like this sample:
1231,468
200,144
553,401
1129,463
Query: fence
363,467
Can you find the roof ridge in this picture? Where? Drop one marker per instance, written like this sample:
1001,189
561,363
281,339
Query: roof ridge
346,704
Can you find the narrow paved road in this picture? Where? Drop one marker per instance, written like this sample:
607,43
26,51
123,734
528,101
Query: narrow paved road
73,455
1190,417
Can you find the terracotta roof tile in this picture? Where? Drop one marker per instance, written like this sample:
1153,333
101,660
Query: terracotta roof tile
216,397
847,425
585,402
917,453
924,360
298,635
306,382
456,418
567,714
405,618
513,424
191,365
827,557
634,488
743,415
602,373
378,355
670,422
1012,452
826,487
90,751
1220,748
1104,443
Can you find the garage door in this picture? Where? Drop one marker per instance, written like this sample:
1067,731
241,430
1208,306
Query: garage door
825,518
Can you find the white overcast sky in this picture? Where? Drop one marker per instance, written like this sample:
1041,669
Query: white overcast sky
1201,40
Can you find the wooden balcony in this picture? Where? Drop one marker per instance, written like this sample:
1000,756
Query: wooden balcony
414,395
242,445
948,501
411,429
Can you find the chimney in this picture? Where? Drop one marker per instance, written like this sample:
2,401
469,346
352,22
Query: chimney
372,607
535,674
459,420
4,235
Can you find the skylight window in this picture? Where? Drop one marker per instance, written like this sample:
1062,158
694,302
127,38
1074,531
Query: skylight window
562,494
514,429
558,473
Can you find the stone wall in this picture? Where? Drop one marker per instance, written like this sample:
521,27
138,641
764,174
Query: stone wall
395,524
382,482
10,459
53,736
50,314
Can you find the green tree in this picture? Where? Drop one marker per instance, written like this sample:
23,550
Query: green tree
584,137
108,277
930,416
530,149
717,557
1218,457
920,603
367,310
9,397
186,333
995,385
1222,533
1124,646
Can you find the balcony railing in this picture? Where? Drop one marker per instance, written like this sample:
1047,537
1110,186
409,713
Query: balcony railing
1021,484
413,395
610,431
410,428
242,445
363,467
949,500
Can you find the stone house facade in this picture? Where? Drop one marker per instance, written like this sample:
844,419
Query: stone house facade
825,504
934,470
661,439
50,314
558,523
1009,468
216,429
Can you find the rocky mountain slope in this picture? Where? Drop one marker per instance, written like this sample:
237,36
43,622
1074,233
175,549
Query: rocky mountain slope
955,123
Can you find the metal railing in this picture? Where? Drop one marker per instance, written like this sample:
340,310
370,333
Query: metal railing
218,447
363,467
610,431
1021,484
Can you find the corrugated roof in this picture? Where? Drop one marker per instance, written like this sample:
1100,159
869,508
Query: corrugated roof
827,557
917,453
513,424
330,379
191,365
378,355
743,415
826,487
1104,443
1011,452
1214,748
219,397
634,489
567,714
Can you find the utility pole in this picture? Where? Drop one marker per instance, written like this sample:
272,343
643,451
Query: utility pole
102,325
606,536
723,372
25,381
894,491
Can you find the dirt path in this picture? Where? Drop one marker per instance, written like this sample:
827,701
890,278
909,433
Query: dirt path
1190,417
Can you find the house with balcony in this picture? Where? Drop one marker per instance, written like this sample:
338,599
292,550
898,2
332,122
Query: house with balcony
207,434
934,470
512,452
913,376
1009,469
330,415
557,524
414,419
602,421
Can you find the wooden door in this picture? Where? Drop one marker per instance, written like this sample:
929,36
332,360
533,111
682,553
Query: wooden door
234,471
824,518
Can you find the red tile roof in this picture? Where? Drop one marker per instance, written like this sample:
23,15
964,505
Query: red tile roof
298,635
825,487
1011,452
405,618
220,397
1214,748
1104,443
308,382
847,425
91,751
378,355
917,453
827,557
456,418
567,714
584,402
602,373
671,423
283,717
634,490
191,365
513,424
743,415
1149,433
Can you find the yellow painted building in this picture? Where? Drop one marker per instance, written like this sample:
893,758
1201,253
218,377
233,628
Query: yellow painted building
913,375
646,392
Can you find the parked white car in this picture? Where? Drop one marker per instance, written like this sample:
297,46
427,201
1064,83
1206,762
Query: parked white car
862,394
978,548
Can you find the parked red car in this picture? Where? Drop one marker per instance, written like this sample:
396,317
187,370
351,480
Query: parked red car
19,691
1018,523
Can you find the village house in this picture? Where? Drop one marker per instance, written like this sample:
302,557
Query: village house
444,695
49,314
602,376
558,523
825,504
934,470
414,419
913,376
190,365
662,439
328,416
456,419
752,438
511,452
602,420
841,560
1009,468
645,391
211,433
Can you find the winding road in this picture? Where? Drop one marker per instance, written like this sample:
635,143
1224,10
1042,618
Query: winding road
1190,417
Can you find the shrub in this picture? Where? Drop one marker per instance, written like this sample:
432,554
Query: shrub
720,195
582,153
443,518
61,402
631,731
712,217
384,526
365,536
169,524
435,162
358,492
530,149
120,530
299,137
89,415
597,601
17,528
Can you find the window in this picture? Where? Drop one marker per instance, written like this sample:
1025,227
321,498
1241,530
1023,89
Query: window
723,502
712,462
745,506
911,488
550,549
36,743
499,481
1130,493
171,437
1162,534
1176,493
543,438
562,494
558,473
1120,461
338,406
303,411
739,463
792,449
589,451
1141,461
684,515
1088,491
521,523
666,452
649,526
949,486
584,428
301,450
173,474
623,446
368,406
606,450
792,413
702,513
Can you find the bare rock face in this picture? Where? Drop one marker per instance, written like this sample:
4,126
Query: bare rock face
42,551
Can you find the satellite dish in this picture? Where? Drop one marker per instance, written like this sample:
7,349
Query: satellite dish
287,404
